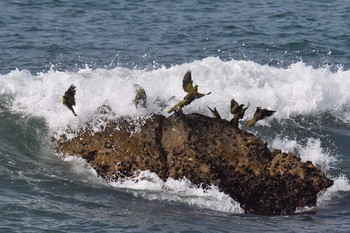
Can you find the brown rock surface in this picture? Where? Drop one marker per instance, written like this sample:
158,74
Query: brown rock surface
205,151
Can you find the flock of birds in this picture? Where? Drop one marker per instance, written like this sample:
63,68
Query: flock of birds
237,110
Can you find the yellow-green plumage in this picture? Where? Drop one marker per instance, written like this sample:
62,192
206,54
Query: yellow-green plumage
234,106
192,92
237,111
187,83
69,98
141,97
235,121
259,115
178,106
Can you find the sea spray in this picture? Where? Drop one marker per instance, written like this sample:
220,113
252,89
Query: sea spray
296,90
282,89
311,151
149,186
341,184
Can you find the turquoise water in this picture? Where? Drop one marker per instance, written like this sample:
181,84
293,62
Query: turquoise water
290,57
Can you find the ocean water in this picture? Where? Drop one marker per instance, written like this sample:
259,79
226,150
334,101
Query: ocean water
293,57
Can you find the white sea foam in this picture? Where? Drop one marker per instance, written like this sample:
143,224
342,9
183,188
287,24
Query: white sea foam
311,151
149,186
299,89
82,169
341,184
296,90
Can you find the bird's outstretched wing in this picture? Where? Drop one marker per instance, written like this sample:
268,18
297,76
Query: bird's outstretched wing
234,106
187,83
243,111
215,112
266,113
140,97
69,95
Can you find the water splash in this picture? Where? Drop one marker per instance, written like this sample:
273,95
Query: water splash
283,89
341,184
311,151
149,186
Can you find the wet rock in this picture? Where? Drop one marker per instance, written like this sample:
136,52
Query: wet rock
205,151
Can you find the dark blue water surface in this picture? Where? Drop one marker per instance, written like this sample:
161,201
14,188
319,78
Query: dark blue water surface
70,34
40,192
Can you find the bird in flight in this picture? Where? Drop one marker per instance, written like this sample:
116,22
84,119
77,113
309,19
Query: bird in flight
260,113
69,98
192,92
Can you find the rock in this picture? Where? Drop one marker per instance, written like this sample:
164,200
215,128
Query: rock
205,151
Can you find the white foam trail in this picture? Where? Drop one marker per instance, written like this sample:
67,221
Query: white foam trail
341,184
83,170
149,186
299,89
312,151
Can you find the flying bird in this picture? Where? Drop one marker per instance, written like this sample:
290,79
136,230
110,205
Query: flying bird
259,114
235,107
69,98
192,92
141,97
178,107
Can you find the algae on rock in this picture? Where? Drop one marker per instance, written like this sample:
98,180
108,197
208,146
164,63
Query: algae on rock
206,151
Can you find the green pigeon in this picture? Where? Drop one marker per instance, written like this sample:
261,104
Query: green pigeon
235,107
69,98
243,110
178,107
192,93
237,111
259,115
141,97
215,113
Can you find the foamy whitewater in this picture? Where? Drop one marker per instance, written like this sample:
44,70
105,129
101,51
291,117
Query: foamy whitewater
291,56
293,91
298,90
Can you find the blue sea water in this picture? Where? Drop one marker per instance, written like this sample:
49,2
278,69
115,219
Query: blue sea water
293,57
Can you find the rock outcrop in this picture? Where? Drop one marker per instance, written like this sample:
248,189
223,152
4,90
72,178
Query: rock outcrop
205,151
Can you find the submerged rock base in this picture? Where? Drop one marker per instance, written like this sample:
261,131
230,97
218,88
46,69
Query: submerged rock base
205,151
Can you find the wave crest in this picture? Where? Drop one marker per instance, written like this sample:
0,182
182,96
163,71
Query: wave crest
296,90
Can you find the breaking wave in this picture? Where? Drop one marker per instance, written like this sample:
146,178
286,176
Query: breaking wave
298,90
